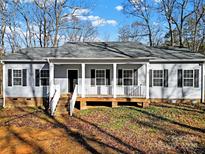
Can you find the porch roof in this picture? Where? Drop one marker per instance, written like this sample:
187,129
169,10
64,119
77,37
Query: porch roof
103,50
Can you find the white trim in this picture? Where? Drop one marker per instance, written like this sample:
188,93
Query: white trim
158,77
70,58
17,77
128,78
177,60
192,78
193,70
100,63
43,77
83,80
51,79
147,81
100,77
114,80
23,60
151,59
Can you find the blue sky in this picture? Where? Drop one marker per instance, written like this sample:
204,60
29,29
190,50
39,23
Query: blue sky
106,9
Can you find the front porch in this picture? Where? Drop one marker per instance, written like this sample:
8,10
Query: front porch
101,82
90,102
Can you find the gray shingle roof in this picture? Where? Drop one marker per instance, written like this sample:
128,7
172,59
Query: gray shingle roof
103,50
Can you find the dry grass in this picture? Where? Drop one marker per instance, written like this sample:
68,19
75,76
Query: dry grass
161,128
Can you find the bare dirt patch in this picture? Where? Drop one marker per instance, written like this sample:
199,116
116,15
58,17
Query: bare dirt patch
161,128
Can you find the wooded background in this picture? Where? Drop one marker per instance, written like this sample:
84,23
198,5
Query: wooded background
49,23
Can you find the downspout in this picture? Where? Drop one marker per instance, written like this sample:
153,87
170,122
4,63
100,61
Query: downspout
3,83
202,83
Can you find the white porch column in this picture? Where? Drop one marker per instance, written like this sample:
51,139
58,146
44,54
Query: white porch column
114,79
203,81
147,81
51,80
83,80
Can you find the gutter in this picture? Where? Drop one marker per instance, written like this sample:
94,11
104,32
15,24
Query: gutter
178,60
14,60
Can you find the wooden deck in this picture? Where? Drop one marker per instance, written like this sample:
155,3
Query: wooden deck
114,101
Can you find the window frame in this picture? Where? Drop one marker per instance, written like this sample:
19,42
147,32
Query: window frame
183,75
123,78
40,77
161,78
17,77
100,77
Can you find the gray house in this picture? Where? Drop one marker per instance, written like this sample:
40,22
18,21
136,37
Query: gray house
102,72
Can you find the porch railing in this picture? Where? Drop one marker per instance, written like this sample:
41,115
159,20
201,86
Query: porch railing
73,100
102,90
131,91
121,91
55,96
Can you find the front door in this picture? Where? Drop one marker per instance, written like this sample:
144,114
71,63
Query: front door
72,80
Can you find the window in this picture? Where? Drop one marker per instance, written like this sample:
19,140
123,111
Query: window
157,77
44,77
188,78
100,77
128,77
17,77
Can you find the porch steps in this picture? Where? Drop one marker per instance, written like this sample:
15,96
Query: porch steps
63,105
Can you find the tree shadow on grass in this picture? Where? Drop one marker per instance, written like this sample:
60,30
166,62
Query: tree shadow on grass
187,108
118,140
201,130
77,136
82,139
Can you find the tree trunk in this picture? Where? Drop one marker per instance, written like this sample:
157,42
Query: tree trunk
171,34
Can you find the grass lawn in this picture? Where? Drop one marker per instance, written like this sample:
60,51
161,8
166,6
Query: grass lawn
161,128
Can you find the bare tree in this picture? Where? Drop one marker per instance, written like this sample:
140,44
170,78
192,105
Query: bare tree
3,23
128,33
167,8
181,13
142,11
194,26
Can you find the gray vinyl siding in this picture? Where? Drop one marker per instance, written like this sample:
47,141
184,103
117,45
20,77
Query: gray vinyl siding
173,91
30,90
60,75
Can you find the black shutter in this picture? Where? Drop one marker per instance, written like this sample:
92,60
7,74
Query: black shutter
180,78
37,77
9,77
166,78
120,77
24,77
135,77
92,77
107,77
150,78
196,78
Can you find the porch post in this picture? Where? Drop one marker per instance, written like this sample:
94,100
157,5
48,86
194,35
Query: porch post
83,80
114,79
51,79
147,81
